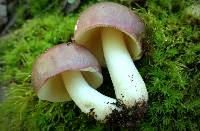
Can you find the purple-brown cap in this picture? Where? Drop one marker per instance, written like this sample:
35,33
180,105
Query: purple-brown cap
46,78
113,15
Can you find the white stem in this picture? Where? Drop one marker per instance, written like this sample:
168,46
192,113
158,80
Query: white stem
128,83
86,98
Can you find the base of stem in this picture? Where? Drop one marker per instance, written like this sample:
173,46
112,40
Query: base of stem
128,117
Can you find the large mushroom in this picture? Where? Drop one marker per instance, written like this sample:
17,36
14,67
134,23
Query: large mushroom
113,33
67,72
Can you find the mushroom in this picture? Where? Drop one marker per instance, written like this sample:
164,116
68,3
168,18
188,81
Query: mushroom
117,32
67,72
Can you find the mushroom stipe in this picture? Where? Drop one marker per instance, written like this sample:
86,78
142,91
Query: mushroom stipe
128,117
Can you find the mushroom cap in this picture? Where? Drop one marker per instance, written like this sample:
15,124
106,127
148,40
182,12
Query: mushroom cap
46,71
112,15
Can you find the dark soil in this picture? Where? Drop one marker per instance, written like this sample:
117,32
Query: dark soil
128,117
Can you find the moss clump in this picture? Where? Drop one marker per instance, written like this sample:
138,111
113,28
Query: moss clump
19,51
170,68
29,8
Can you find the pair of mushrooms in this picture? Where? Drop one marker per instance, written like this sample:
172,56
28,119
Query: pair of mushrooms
112,33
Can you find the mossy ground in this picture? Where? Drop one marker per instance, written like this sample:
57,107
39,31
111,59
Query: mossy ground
170,68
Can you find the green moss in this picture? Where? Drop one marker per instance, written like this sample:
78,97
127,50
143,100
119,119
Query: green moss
29,8
170,68
172,64
20,51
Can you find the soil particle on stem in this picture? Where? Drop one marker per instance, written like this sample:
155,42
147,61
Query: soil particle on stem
128,117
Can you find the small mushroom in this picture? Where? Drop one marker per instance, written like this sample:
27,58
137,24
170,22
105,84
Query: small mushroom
70,5
67,72
117,32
